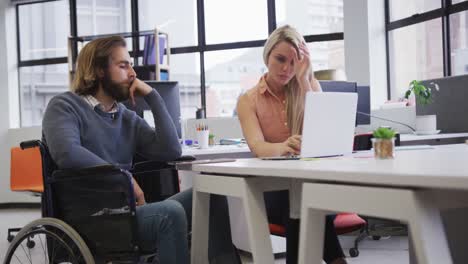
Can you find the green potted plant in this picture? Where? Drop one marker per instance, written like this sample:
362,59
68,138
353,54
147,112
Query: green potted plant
383,143
425,124
422,93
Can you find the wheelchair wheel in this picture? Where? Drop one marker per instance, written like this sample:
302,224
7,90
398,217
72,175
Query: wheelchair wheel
55,242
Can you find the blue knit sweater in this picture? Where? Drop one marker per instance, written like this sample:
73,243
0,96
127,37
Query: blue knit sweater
79,136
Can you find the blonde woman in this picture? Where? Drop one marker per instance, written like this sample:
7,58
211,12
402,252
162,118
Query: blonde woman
271,116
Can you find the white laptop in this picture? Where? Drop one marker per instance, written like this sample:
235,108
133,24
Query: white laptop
329,122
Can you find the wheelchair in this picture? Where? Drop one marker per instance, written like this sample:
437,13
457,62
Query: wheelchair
89,215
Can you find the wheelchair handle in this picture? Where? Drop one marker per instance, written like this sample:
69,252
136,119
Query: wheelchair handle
30,144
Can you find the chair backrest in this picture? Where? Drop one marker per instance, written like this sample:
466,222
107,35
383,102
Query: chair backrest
26,170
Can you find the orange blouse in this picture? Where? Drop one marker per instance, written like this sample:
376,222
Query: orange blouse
270,111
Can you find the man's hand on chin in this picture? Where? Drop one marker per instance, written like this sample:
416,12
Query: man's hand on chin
139,88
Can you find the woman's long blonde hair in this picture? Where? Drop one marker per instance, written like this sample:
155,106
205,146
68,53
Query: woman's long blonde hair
295,96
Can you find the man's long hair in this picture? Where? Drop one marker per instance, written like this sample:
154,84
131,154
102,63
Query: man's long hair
93,57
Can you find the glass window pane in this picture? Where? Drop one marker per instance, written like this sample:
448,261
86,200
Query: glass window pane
327,55
233,21
178,18
402,8
44,29
185,68
457,1
38,85
97,17
459,42
415,54
229,73
311,16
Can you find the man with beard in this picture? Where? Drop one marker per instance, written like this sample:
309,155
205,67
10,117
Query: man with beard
89,127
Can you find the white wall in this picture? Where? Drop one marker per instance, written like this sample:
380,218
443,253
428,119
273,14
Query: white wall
9,114
365,58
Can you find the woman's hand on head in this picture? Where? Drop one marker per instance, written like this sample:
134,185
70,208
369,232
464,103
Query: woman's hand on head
302,63
292,145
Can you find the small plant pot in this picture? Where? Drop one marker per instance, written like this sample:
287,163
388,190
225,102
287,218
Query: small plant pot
383,148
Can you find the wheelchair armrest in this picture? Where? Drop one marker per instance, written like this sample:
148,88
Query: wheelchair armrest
99,203
101,169
186,158
30,144
153,165
92,188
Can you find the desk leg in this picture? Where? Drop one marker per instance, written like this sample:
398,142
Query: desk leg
200,227
417,208
250,190
427,231
311,235
257,223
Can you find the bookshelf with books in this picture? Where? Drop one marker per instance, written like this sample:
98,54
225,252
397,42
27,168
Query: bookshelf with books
144,60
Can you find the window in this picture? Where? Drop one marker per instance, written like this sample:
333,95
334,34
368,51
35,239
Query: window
43,35
417,41
327,55
459,43
415,54
401,8
38,84
233,21
96,17
229,73
185,68
178,19
311,16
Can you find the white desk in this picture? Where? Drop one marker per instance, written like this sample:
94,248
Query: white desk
412,138
441,172
218,151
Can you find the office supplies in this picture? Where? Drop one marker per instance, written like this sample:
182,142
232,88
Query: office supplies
231,141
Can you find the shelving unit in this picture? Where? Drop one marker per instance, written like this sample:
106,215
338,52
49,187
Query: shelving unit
146,72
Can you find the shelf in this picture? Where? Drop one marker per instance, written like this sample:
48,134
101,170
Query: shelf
152,67
124,35
157,71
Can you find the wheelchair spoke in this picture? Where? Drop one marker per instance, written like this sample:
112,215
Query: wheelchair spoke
18,259
57,245
46,256
26,254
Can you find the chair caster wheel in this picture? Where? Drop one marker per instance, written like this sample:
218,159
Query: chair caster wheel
30,244
353,252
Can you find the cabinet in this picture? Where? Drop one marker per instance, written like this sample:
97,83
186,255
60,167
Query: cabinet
150,63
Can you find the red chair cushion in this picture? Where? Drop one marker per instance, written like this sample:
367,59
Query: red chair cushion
344,223
348,222
277,230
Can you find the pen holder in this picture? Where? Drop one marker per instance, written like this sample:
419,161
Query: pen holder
203,138
383,148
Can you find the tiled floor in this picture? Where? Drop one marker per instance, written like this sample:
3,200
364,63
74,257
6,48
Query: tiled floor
385,251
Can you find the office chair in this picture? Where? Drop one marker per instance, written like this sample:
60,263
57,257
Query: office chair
344,223
25,176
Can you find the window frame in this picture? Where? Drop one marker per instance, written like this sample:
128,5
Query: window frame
200,48
447,9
